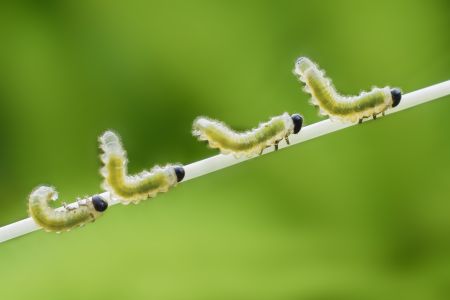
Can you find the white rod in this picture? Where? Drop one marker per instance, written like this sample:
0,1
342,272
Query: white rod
221,161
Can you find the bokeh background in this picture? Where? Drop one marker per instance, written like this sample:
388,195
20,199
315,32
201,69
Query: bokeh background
358,214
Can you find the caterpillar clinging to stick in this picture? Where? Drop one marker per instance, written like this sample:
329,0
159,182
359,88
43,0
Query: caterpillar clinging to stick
64,219
345,108
133,189
250,142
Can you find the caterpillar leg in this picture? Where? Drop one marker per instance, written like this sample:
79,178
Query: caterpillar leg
360,121
261,152
381,113
82,203
276,145
68,207
287,140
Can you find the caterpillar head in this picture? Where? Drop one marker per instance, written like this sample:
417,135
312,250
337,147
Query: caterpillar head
396,97
179,171
298,122
99,204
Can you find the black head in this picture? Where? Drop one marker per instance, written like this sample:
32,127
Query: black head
99,204
298,122
396,97
179,171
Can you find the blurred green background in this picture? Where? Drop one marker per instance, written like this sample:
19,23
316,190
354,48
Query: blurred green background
358,214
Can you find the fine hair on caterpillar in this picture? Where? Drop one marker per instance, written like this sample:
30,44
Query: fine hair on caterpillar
63,219
344,108
251,142
133,188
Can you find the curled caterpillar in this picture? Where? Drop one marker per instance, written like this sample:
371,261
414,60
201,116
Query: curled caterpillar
133,189
345,108
248,143
74,215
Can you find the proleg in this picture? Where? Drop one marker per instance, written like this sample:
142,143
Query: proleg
133,188
248,143
344,108
64,219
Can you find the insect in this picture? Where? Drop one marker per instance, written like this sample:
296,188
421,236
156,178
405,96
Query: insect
133,189
66,218
248,143
345,108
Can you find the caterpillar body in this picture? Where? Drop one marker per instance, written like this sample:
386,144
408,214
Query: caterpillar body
344,108
58,220
248,143
133,189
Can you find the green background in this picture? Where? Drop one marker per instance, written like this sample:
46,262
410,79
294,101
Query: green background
358,214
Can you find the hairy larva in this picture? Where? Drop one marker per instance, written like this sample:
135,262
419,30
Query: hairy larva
132,189
220,136
74,215
345,108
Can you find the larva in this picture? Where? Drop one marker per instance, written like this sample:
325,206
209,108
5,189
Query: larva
345,108
78,214
220,136
133,189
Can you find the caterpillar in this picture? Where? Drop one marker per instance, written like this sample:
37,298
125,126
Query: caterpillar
133,189
248,143
58,220
344,108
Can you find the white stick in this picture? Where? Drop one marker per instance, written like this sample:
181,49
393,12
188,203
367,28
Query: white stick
221,161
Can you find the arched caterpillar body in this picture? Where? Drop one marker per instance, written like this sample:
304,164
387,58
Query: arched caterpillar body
345,108
220,136
133,189
84,211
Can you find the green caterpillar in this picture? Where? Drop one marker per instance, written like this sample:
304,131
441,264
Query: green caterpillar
78,214
220,136
133,189
344,108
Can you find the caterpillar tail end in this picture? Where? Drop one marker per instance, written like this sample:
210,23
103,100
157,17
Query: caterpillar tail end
40,196
44,192
110,142
199,126
301,65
